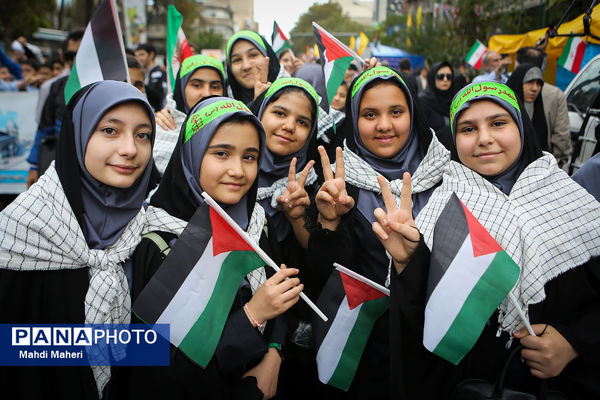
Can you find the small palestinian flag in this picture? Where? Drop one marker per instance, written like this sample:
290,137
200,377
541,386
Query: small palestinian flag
469,276
572,55
196,285
352,307
178,48
475,56
279,41
336,58
101,55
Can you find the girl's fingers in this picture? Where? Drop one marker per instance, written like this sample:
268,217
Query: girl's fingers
292,171
386,193
304,174
410,233
406,197
326,165
339,163
325,197
264,75
379,231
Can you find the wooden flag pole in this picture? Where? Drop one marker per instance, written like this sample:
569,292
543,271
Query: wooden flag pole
257,249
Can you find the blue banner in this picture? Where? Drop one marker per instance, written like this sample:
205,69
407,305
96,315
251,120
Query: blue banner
81,344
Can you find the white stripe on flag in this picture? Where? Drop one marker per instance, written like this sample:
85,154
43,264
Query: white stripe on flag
575,42
327,72
451,292
193,295
333,344
87,63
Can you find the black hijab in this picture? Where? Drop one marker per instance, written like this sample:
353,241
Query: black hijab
179,190
240,92
515,82
432,97
507,99
102,211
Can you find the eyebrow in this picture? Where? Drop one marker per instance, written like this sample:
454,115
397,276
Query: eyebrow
229,147
287,110
209,81
375,108
113,120
472,121
239,54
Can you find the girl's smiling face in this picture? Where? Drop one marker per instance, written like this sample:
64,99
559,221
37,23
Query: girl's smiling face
488,140
203,82
287,122
247,63
120,146
230,163
384,119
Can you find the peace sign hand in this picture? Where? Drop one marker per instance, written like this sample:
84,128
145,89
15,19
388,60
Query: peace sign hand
332,199
294,200
261,83
397,230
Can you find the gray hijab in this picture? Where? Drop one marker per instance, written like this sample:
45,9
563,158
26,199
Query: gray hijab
107,210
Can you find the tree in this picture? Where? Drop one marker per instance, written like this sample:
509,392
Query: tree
187,8
23,18
330,17
208,39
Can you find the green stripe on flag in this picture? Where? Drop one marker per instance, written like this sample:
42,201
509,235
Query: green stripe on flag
72,85
370,311
493,286
201,341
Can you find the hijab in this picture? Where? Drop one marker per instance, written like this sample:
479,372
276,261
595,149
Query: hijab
411,154
432,97
179,192
503,96
275,167
187,69
102,211
520,76
239,92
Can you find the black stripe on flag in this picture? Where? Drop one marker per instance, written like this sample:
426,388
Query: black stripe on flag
324,100
329,302
184,255
107,42
449,233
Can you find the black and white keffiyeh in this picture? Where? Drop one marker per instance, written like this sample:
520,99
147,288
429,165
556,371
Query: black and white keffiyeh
327,121
40,232
429,172
548,224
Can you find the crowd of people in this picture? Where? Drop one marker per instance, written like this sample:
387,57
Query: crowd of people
118,172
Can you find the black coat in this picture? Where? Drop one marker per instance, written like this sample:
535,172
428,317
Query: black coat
572,306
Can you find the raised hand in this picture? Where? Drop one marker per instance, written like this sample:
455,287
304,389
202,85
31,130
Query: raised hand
332,199
275,296
294,200
165,120
396,229
370,63
261,83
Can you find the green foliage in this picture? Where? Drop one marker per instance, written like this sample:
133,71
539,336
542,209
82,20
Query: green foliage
23,17
208,39
187,8
330,17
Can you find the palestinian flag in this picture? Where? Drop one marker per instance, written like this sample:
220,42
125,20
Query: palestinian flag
475,56
336,58
352,307
194,288
469,276
279,41
178,48
572,55
101,55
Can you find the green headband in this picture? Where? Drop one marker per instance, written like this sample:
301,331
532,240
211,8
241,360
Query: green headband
253,36
473,91
373,73
200,61
301,83
205,115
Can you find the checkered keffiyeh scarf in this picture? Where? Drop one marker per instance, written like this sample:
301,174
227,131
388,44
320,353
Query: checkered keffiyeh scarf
166,140
548,224
326,122
429,172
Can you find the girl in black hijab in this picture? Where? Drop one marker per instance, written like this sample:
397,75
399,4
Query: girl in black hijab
529,74
435,99
66,243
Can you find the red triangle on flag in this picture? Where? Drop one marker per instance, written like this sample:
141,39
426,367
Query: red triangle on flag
224,237
332,49
483,243
358,292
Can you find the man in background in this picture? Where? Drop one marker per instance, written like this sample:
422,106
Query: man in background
494,66
156,78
